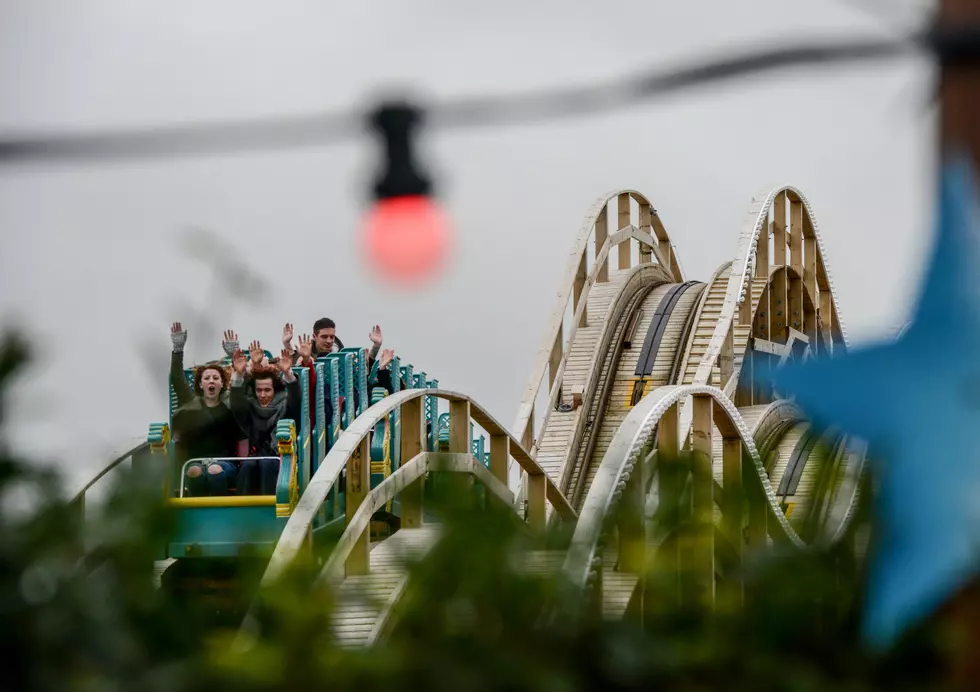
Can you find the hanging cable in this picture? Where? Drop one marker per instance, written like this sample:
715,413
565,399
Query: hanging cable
322,129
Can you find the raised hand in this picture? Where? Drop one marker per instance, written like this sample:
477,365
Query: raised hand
287,335
386,357
238,361
285,361
375,335
230,343
305,347
255,350
178,337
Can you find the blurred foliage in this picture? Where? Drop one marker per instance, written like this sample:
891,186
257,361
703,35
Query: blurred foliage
79,611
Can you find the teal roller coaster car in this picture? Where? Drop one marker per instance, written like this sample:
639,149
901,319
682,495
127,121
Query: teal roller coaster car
233,527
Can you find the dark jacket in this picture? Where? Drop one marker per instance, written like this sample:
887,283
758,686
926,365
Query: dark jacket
259,422
201,431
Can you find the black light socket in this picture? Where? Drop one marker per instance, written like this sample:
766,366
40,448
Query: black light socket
396,123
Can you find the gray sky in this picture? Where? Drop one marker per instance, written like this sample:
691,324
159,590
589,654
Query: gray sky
92,264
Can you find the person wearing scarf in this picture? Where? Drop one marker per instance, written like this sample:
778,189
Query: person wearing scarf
272,395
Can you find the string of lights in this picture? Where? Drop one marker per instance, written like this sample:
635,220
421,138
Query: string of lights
406,237
321,129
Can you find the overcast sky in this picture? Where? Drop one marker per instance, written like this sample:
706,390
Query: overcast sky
92,263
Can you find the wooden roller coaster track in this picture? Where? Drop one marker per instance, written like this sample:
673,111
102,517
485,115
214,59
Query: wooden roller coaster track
637,364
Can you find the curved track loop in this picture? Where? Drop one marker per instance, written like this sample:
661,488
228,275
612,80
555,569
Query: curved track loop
801,284
576,284
778,281
801,241
623,461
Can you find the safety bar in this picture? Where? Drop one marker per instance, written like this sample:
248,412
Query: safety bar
208,461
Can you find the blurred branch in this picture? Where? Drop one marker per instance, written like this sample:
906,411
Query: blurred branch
234,283
231,270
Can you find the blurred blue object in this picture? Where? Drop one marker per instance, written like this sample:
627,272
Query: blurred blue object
917,403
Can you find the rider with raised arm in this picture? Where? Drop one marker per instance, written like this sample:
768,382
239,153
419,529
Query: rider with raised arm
325,342
271,394
203,425
325,339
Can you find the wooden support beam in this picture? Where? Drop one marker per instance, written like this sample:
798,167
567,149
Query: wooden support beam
827,319
760,331
810,283
459,426
778,308
699,563
762,251
623,203
669,486
743,390
554,362
794,295
527,439
726,358
797,345
536,503
768,347
760,328
744,316
779,230
631,524
668,443
499,457
646,225
601,235
579,287
412,444
663,244
809,256
796,236
459,443
758,510
731,510
358,486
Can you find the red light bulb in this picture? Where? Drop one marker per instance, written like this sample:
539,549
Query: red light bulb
406,238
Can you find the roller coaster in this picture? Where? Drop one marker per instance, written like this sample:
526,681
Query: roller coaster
639,364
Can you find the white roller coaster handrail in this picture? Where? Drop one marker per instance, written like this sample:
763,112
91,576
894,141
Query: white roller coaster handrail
666,396
623,455
136,449
392,485
298,526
